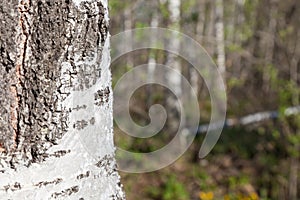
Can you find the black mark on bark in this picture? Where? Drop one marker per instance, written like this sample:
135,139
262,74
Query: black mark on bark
45,183
66,192
81,176
102,96
108,164
13,187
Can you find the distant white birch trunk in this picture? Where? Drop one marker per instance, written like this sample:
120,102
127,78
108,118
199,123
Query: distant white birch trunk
174,8
220,37
172,60
56,136
151,61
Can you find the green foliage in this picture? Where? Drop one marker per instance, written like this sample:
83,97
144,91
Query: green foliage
250,7
234,48
235,181
116,5
164,11
141,25
284,33
174,190
154,192
234,82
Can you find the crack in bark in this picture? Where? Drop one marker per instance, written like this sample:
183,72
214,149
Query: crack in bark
23,9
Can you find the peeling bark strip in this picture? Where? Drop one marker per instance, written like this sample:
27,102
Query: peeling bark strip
55,101
20,64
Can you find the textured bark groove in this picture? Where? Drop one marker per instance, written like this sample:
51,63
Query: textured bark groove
47,29
8,55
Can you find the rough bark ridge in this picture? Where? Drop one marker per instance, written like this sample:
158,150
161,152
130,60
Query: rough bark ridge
55,101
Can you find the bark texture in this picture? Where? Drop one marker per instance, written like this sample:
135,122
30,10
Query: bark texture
56,139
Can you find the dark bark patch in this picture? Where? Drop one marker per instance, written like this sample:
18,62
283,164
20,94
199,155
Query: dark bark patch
85,175
13,187
102,96
79,125
80,107
108,164
82,124
60,153
66,192
45,183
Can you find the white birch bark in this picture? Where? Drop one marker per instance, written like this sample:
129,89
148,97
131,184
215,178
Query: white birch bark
174,8
220,37
172,77
61,102
151,60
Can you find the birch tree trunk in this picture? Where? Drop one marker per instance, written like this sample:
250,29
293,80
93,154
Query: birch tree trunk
56,139
173,61
220,37
151,60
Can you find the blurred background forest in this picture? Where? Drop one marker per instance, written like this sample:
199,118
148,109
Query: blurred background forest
256,45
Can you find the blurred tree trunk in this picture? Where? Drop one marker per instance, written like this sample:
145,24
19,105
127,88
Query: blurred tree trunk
293,179
55,101
128,26
220,38
270,44
196,84
294,72
294,162
230,25
209,27
201,20
173,61
237,24
151,59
